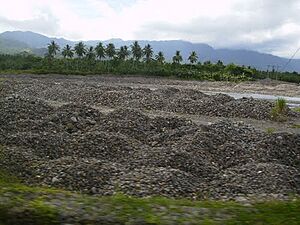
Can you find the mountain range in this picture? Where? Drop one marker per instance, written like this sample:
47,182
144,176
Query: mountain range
12,42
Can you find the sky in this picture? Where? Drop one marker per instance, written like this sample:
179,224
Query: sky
270,26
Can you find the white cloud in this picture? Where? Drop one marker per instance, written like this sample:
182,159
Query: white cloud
266,25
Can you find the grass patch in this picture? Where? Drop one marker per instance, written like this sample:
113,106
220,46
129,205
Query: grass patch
296,126
296,109
20,204
270,130
279,111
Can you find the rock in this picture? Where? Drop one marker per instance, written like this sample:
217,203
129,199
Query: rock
55,180
74,119
94,190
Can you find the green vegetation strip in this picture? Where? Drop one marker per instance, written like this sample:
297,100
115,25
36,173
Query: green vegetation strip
94,64
296,109
20,204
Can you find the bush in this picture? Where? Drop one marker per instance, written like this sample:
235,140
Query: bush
280,110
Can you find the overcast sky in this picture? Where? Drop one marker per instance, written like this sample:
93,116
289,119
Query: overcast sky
271,26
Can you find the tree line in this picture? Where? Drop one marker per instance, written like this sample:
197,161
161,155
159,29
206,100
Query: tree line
100,52
133,59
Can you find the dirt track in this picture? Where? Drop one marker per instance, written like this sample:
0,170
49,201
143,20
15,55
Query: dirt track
146,136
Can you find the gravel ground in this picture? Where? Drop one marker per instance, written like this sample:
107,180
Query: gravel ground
98,137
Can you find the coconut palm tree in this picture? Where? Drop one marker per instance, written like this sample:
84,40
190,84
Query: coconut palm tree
53,48
220,64
123,53
80,49
136,51
193,58
100,51
148,53
110,50
160,57
67,52
90,54
177,58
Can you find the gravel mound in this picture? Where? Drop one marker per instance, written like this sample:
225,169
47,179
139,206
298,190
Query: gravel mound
131,152
196,164
74,117
16,108
77,147
148,181
87,175
101,145
253,178
168,99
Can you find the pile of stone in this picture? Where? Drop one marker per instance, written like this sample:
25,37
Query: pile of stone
169,99
78,148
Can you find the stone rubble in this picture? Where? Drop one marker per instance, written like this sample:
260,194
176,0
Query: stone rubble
77,147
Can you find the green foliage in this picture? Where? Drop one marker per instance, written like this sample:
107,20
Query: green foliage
90,55
136,51
80,49
67,52
148,53
119,63
160,58
100,51
27,205
53,48
193,57
177,58
111,50
279,111
296,126
123,53
281,105
270,130
21,204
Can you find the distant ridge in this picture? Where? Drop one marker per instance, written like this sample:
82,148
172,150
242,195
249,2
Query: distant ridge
17,41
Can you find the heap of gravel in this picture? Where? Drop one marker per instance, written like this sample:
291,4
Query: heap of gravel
78,148
154,181
14,108
253,178
167,99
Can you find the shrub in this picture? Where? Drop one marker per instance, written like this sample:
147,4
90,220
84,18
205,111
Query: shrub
280,110
270,130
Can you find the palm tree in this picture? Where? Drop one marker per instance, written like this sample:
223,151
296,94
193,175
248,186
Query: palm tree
148,52
220,63
110,50
67,52
136,51
193,58
160,57
53,48
100,51
177,58
123,52
80,49
90,54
